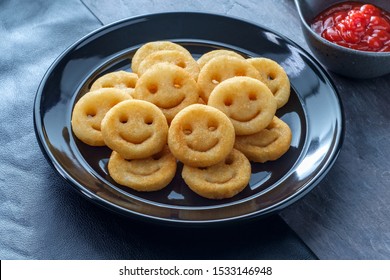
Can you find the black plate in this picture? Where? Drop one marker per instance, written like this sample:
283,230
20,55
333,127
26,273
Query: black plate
313,112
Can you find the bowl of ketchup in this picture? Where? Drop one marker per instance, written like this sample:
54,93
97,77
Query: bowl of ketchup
351,38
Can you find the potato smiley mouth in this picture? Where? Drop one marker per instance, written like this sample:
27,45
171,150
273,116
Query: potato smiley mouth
243,119
144,172
165,107
221,180
134,140
203,148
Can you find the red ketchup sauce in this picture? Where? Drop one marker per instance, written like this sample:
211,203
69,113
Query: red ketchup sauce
355,25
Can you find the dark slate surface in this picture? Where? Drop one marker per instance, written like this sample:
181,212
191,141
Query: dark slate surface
347,215
41,217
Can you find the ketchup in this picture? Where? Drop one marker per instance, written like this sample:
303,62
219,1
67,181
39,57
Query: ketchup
355,25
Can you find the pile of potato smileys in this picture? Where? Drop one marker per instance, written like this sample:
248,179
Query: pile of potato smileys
214,115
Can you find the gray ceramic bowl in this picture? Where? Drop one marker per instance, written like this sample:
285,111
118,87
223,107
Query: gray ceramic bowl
341,60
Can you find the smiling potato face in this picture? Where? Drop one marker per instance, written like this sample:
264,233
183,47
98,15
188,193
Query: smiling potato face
269,144
149,174
169,87
135,129
248,103
222,180
200,136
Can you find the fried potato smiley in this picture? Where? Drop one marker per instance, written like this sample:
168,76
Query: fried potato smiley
169,87
269,144
248,103
200,136
135,129
89,111
148,174
222,180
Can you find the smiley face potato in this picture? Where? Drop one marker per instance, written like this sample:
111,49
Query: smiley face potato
200,136
222,180
147,174
248,103
135,129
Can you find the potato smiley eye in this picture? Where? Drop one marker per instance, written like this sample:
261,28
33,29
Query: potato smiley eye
152,88
271,76
212,125
228,102
181,64
157,156
252,96
148,121
177,83
91,114
91,111
123,119
229,161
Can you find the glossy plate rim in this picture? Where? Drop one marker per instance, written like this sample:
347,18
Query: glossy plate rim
303,189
